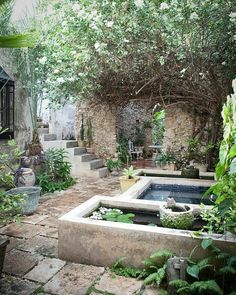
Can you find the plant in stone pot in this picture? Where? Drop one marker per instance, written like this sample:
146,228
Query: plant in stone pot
128,179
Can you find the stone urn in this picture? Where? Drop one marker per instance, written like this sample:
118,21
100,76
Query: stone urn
25,177
177,216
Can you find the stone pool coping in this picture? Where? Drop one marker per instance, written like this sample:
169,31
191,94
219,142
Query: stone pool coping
137,189
100,242
168,172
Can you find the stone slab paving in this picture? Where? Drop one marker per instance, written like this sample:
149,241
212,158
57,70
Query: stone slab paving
19,263
45,270
50,232
41,245
32,254
117,285
73,279
33,219
14,242
16,286
21,230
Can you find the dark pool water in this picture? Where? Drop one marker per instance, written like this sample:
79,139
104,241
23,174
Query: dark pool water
173,176
181,194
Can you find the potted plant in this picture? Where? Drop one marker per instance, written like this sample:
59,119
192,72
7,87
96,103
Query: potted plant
166,161
128,179
113,166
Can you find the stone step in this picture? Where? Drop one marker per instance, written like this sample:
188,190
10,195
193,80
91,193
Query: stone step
71,144
86,157
49,137
90,150
96,173
79,151
91,165
101,172
42,131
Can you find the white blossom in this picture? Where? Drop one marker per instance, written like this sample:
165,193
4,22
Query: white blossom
164,6
43,60
97,46
56,71
194,15
232,15
60,80
139,3
109,24
183,71
223,63
234,37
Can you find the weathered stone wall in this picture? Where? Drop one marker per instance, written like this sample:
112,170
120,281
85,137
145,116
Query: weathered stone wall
103,120
180,125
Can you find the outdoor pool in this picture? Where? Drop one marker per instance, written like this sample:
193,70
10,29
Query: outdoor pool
181,193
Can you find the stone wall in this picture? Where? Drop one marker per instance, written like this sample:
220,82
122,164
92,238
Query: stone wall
103,120
180,125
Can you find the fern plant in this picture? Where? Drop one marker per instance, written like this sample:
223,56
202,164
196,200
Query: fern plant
155,267
213,275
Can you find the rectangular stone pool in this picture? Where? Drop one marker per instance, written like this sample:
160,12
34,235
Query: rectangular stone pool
187,194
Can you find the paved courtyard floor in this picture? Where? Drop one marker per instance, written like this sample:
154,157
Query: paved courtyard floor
32,265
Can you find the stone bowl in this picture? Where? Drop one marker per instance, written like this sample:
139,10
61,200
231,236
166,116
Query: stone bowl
177,216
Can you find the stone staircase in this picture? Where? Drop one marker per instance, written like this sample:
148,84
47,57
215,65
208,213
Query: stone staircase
83,162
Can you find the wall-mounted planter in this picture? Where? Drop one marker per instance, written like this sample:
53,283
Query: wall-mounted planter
126,183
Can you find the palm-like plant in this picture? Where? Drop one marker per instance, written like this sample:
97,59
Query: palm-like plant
14,41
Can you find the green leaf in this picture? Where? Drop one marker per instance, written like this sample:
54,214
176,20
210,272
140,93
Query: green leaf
232,152
17,41
193,271
206,243
220,169
224,148
232,168
150,279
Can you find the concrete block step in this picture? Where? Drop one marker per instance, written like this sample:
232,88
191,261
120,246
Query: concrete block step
71,143
49,137
42,131
86,157
101,172
79,151
90,150
91,165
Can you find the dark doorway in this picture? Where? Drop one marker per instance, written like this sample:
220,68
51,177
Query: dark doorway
6,105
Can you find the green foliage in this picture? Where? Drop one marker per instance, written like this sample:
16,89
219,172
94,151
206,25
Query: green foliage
89,132
139,136
116,216
121,270
56,171
211,275
155,267
165,158
9,207
123,151
129,172
199,151
113,164
9,163
158,127
227,154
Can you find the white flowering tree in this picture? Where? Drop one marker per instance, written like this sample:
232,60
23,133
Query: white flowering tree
174,50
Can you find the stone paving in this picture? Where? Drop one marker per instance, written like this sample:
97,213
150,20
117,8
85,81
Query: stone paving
32,265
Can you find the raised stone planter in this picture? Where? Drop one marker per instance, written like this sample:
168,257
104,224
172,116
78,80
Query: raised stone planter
126,183
100,242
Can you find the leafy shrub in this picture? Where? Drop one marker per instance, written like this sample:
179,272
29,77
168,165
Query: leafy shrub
56,171
9,207
113,164
123,151
211,275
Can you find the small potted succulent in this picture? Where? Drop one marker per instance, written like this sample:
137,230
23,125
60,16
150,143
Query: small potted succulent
128,179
